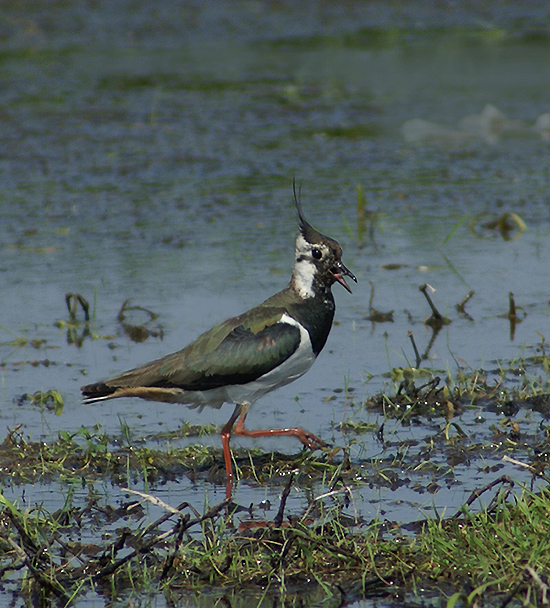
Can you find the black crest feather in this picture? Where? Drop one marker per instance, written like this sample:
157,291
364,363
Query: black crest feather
308,232
297,197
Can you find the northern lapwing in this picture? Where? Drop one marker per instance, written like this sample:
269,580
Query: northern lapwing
247,356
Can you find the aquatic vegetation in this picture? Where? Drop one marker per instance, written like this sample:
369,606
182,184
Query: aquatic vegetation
501,550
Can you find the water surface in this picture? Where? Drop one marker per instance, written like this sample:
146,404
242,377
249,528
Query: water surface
148,152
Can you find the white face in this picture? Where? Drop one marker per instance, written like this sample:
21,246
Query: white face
304,265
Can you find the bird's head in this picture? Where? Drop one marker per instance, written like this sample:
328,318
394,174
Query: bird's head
318,259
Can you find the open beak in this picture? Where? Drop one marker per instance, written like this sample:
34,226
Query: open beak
339,271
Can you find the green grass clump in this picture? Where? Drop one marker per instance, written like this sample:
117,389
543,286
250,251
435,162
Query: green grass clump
96,456
501,553
504,551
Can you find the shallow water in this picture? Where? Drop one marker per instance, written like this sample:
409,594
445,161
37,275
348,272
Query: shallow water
148,153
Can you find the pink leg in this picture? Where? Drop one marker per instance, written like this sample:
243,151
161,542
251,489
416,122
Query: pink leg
308,439
226,435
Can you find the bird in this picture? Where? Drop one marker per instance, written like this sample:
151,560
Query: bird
243,358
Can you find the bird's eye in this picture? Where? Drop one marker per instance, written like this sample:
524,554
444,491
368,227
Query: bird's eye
316,253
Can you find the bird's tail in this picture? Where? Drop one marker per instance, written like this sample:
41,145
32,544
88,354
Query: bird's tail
92,393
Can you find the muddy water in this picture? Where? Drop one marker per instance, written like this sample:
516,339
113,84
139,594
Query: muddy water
147,152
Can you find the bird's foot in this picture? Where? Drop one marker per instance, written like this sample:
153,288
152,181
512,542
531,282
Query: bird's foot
309,439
